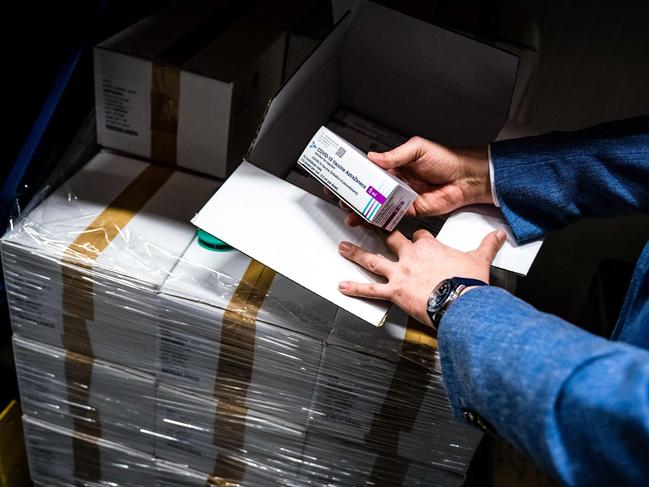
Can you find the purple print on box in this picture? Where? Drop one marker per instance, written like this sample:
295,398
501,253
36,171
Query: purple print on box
376,195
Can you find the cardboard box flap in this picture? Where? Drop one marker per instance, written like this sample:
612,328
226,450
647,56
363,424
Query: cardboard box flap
420,79
152,35
405,74
308,98
293,232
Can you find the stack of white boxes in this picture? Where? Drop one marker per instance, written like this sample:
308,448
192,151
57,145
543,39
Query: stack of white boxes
147,357
82,272
135,343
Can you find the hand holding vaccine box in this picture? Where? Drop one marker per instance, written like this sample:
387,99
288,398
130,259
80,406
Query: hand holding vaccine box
379,197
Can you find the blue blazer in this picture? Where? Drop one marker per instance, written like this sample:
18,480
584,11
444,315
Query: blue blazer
577,404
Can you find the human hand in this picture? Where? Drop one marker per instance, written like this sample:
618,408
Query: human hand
445,179
422,264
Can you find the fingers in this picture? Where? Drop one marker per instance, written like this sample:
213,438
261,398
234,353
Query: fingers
490,245
419,234
371,291
404,154
353,220
372,262
396,241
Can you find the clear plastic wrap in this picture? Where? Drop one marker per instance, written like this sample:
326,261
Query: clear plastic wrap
146,358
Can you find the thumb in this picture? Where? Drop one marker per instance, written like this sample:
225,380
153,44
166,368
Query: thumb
406,153
491,244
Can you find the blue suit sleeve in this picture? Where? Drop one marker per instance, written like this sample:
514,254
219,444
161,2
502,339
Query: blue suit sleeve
577,404
545,182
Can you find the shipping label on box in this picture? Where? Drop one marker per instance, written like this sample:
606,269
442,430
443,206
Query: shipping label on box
379,197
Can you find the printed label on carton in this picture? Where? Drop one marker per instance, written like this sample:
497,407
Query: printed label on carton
376,195
176,353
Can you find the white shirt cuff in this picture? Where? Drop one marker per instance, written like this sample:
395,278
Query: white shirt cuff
492,180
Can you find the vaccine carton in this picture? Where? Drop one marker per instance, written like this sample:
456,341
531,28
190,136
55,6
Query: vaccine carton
379,197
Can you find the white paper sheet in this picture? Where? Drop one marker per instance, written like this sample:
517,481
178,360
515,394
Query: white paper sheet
465,229
293,232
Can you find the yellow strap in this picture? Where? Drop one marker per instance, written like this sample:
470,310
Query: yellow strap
78,307
165,101
234,369
407,388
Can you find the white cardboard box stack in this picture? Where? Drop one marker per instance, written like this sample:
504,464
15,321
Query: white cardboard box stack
254,379
83,266
83,270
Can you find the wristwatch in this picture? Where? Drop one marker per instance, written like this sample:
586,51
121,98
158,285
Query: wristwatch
445,293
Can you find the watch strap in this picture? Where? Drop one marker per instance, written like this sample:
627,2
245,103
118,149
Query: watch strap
458,284
466,282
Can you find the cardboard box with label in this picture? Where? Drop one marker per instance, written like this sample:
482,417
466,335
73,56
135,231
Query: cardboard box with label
234,326
183,87
59,457
390,407
76,392
396,71
224,439
83,267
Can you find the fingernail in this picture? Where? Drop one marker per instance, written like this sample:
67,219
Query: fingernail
349,220
343,285
344,247
501,236
372,154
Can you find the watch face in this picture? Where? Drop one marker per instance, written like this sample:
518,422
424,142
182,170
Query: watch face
440,295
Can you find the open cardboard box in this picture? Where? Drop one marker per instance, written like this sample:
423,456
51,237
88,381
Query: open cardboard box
407,75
